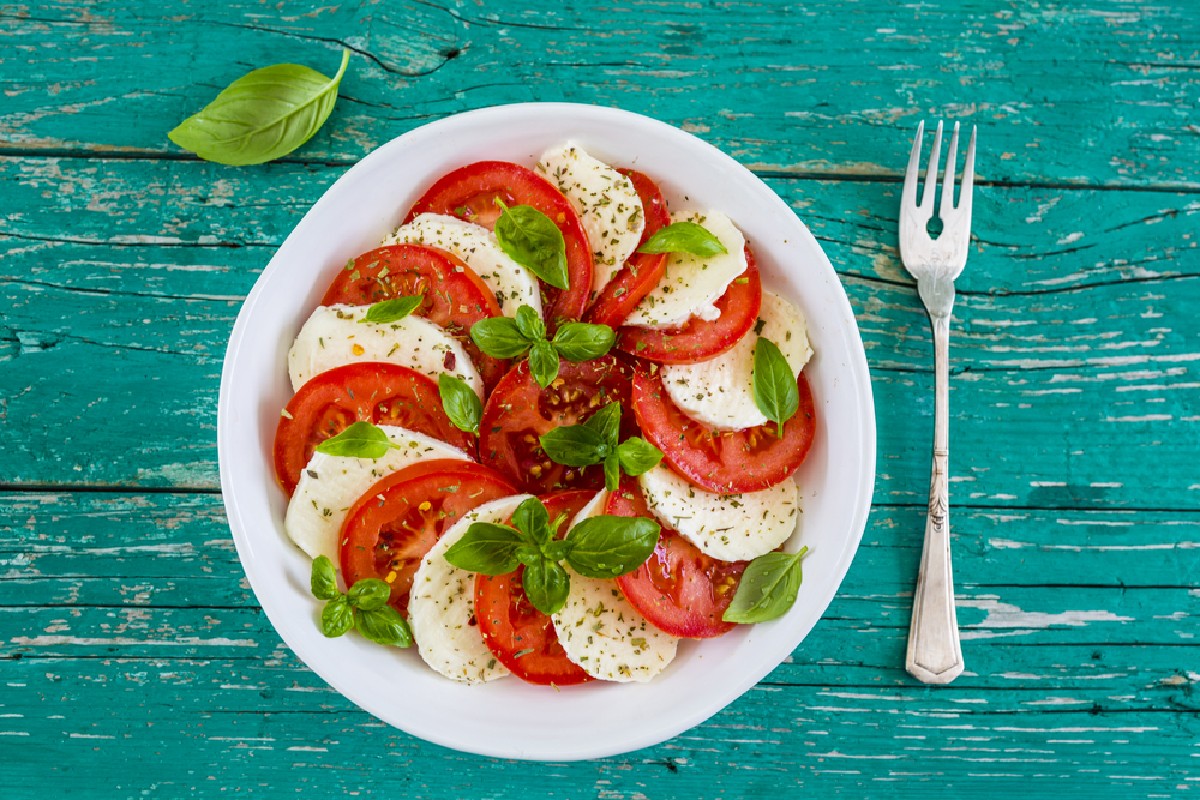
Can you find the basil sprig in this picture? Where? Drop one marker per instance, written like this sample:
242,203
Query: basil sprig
684,237
525,334
360,440
768,588
394,310
775,390
262,116
598,547
363,608
531,239
595,442
460,403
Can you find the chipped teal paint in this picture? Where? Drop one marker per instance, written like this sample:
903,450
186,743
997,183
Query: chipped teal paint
134,661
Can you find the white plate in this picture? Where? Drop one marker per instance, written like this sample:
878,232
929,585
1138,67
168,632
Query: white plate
509,718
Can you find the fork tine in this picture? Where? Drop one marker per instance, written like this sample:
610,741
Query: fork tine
908,198
931,172
968,179
948,179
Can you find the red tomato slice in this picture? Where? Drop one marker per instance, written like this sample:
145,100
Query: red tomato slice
699,340
390,528
679,589
519,411
455,297
520,636
470,192
642,271
385,394
727,462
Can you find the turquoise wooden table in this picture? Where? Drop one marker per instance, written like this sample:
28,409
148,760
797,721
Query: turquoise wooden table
134,659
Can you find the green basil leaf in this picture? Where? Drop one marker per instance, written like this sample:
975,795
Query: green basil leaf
324,580
768,588
543,363
386,311
531,326
574,445
261,116
360,440
529,554
580,341
369,594
557,549
684,237
487,548
607,423
383,626
638,456
608,546
532,519
532,239
612,472
499,337
546,584
460,403
775,390
337,617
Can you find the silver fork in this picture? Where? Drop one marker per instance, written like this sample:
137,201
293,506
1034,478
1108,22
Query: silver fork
934,653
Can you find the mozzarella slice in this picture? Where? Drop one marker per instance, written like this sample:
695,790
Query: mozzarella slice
514,285
720,392
692,284
607,203
603,633
441,606
329,485
729,527
333,336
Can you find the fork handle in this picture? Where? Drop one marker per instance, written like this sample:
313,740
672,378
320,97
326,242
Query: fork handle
934,653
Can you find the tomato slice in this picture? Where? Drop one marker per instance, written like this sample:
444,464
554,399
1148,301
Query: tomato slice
455,296
470,193
679,589
642,271
519,411
390,528
385,394
700,340
520,636
727,462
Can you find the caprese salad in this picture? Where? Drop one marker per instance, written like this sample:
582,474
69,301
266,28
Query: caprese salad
549,427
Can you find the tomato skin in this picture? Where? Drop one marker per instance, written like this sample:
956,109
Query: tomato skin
387,532
679,589
383,394
642,271
470,192
700,340
726,462
455,296
511,625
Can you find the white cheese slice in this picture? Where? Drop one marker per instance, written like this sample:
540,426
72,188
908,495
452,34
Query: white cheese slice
333,336
441,607
720,392
329,485
729,527
691,285
603,633
514,285
607,204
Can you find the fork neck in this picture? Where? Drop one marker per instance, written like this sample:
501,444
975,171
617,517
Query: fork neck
941,368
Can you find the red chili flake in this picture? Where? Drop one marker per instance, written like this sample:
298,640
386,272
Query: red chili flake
449,361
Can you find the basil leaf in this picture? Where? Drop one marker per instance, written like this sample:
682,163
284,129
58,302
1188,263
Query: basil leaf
768,588
460,403
529,554
337,617
531,239
383,626
323,582
580,341
531,326
574,445
612,472
775,390
532,519
638,456
386,311
543,363
360,440
369,594
499,337
261,116
608,546
683,237
487,548
607,423
547,585
557,549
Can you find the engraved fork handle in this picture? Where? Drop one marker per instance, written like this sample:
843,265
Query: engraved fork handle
934,653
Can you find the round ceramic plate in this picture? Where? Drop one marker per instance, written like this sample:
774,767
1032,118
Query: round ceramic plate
507,717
